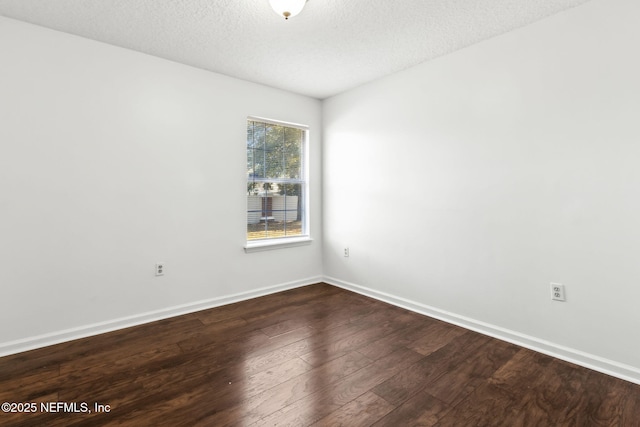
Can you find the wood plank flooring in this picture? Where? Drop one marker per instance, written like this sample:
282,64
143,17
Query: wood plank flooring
312,356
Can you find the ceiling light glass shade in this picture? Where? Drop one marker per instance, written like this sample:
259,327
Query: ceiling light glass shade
287,8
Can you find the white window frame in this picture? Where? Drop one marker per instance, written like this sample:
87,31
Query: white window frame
287,241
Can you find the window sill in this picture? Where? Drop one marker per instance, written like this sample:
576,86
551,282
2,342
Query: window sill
268,245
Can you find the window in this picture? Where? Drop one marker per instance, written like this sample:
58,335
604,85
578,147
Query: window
276,181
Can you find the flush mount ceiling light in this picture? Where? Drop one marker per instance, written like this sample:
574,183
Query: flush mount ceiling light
287,8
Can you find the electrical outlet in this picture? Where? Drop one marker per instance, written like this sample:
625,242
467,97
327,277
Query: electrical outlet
346,252
557,292
160,269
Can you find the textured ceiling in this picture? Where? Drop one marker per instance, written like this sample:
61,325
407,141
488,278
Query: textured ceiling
332,46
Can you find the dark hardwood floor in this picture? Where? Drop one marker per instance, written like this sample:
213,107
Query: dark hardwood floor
316,355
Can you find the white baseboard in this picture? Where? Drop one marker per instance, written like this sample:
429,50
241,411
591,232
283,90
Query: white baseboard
590,361
18,346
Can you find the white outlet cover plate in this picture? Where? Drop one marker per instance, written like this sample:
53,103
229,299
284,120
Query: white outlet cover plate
557,292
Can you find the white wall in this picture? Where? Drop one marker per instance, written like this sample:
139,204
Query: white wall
518,158
110,161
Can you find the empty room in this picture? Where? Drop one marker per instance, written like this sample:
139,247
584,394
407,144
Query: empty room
319,212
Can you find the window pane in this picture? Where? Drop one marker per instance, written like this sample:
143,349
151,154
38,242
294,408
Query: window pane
293,163
273,142
275,210
255,150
